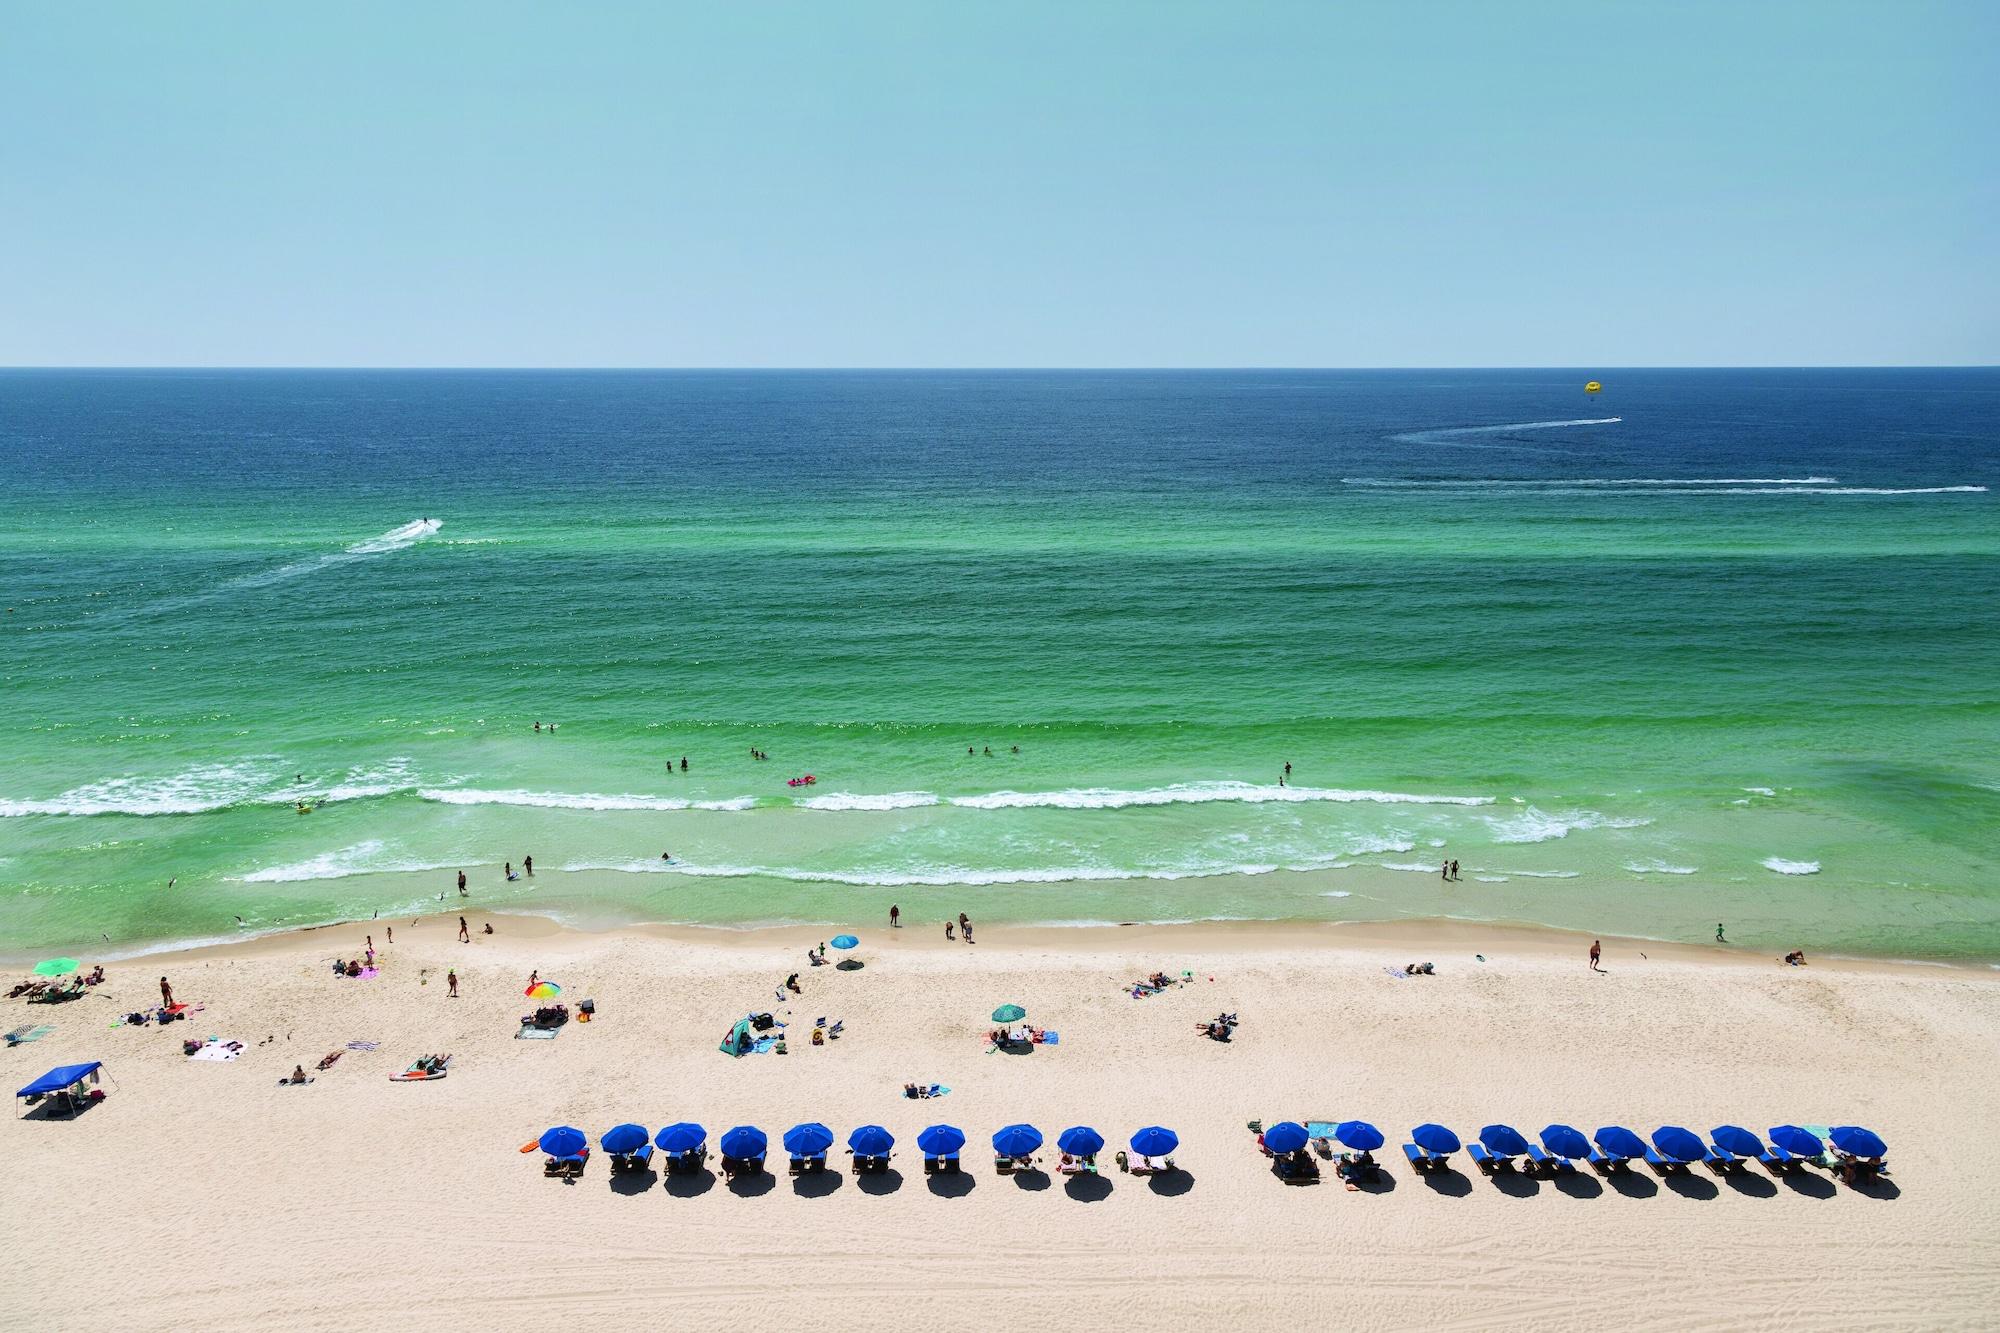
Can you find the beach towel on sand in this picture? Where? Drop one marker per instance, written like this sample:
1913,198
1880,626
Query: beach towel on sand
529,1032
33,1032
218,1050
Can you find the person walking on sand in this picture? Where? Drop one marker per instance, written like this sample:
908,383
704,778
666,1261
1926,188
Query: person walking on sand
166,993
1596,952
1444,872
464,932
1718,934
894,912
451,982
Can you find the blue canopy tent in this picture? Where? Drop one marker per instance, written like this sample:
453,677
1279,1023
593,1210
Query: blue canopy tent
870,1141
680,1137
1017,1141
1796,1141
941,1141
1857,1142
745,1143
1285,1136
1080,1141
62,1082
1358,1135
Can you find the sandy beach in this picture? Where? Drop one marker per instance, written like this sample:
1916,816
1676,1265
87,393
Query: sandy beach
203,1194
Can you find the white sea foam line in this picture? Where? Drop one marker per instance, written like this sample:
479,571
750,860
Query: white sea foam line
1515,425
895,800
1540,874
1102,798
1658,868
361,859
944,876
1784,867
1533,825
557,800
208,787
1543,482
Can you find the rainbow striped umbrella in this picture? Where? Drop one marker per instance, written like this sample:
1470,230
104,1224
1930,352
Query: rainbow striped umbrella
543,990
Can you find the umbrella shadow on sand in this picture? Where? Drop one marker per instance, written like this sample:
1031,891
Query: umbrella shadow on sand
951,1184
1090,1188
748,1186
879,1182
690,1184
1171,1184
816,1184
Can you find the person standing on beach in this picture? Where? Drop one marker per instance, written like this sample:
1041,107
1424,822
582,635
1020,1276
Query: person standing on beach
684,763
1454,869
451,981
1444,871
464,932
392,934
528,864
461,883
1596,951
894,912
166,993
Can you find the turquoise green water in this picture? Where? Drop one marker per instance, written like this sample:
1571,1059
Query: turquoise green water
1710,646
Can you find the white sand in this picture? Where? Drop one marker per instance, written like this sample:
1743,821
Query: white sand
202,1195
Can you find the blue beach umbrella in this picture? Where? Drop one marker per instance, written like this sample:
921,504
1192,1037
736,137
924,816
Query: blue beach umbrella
1503,1141
1682,1145
1565,1141
1017,1140
1738,1140
844,941
1081,1140
562,1141
744,1141
1857,1141
1153,1141
1796,1141
625,1138
1358,1135
1286,1136
1618,1141
809,1139
871,1141
682,1136
941,1139
1434,1138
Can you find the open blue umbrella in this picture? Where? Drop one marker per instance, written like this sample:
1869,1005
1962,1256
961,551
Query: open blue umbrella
625,1138
1286,1136
1081,1140
744,1142
1858,1141
681,1136
844,941
1796,1141
941,1139
1017,1140
1736,1139
1434,1138
1565,1141
562,1141
1358,1135
1152,1141
1618,1141
809,1139
1503,1141
871,1141
1682,1145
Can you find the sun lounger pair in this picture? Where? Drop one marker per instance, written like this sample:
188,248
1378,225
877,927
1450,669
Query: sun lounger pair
569,1167
690,1160
741,1166
1145,1166
1079,1166
637,1160
1425,1161
870,1165
1544,1162
805,1162
937,1163
1487,1160
426,1070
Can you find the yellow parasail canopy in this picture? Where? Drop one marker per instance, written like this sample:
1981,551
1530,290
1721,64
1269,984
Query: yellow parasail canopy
1592,387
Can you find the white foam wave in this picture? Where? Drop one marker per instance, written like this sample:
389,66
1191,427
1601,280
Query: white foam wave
207,787
1416,866
1761,791
1366,846
558,800
1195,793
946,876
1491,879
895,800
1533,825
1540,874
1658,868
363,858
1784,867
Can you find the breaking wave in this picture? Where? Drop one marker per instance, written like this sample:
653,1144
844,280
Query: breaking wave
1784,867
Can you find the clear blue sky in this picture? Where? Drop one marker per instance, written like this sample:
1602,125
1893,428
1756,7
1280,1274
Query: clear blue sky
999,182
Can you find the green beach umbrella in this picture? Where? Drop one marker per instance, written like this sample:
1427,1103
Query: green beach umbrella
55,967
1009,1013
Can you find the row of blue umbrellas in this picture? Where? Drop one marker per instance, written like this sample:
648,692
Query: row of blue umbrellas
1671,1141
811,1139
